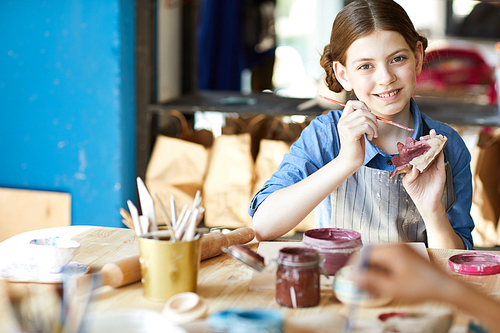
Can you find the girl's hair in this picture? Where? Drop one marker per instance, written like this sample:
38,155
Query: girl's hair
360,18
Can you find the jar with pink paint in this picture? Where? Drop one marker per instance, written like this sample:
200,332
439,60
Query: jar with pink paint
335,245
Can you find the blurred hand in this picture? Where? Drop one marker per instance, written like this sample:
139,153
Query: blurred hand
398,271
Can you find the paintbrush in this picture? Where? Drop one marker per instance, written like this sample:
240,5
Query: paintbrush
378,117
360,269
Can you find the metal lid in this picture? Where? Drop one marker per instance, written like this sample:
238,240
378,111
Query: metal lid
246,256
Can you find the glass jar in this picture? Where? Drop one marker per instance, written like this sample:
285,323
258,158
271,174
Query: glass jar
335,245
297,277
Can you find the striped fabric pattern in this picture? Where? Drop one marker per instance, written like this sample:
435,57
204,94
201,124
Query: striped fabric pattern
380,208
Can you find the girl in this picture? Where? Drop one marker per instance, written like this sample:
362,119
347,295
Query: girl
342,161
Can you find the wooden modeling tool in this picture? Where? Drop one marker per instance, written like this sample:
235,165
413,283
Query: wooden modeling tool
127,219
147,204
378,117
163,211
134,213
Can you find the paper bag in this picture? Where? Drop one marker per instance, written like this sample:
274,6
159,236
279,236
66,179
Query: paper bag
176,167
485,210
228,184
174,124
270,155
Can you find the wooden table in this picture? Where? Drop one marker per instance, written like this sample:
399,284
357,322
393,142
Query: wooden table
224,282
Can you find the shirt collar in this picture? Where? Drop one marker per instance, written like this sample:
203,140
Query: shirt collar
372,150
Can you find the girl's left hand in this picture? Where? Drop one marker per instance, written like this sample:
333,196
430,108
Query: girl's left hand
426,189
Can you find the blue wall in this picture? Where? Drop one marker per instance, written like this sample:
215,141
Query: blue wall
67,102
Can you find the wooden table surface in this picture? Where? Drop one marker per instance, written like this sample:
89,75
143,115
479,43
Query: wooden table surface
224,282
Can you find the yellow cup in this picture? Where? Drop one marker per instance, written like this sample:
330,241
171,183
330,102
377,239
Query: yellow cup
168,268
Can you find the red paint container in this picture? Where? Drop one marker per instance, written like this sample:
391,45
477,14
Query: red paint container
335,245
475,263
297,273
297,277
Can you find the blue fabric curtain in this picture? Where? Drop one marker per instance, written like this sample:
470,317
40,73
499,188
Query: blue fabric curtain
220,45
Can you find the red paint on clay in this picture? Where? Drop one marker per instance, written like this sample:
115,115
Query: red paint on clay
407,152
476,263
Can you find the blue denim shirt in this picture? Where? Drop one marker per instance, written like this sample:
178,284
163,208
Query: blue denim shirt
319,144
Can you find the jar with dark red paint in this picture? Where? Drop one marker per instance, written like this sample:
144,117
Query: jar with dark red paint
298,277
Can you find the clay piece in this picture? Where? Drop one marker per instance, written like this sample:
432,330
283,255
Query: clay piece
419,154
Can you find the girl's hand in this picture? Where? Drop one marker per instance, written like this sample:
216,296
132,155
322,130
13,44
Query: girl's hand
426,189
356,121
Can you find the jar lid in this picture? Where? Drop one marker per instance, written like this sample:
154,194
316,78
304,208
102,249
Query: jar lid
331,238
219,321
246,256
262,320
298,256
475,263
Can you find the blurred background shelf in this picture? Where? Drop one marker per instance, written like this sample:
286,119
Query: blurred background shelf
230,101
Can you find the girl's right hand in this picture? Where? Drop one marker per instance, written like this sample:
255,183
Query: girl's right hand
356,121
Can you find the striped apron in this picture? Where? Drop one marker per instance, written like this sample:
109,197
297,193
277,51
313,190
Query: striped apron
379,207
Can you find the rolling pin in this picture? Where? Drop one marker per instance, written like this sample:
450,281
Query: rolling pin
127,271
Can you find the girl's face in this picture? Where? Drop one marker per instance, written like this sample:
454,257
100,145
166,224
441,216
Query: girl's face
381,68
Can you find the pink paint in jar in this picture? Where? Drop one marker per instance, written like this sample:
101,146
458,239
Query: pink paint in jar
335,245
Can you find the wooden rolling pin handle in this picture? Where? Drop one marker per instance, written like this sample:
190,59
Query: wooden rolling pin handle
212,243
121,273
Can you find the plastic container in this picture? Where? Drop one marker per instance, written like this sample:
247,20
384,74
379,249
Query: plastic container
475,263
335,245
297,277
52,254
246,321
348,292
219,322
256,321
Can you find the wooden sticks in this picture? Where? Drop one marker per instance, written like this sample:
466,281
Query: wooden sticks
180,227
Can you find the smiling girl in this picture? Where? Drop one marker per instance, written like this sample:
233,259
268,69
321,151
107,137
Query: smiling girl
341,163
